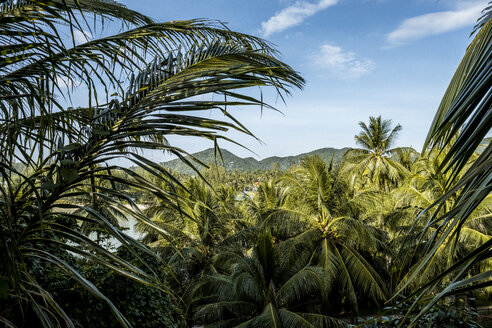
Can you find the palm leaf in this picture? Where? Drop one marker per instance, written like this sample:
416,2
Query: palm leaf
462,120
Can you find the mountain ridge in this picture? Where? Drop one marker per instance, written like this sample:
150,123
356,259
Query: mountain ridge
234,162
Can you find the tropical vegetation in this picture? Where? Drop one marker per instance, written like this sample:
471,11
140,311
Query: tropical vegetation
141,86
381,237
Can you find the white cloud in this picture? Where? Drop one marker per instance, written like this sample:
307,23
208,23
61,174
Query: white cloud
67,82
81,36
293,15
436,23
343,63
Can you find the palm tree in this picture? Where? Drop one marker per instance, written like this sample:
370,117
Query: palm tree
373,167
318,187
426,187
269,286
163,65
374,160
194,226
343,245
406,156
266,210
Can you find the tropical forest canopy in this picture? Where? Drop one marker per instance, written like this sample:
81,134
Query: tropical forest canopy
371,236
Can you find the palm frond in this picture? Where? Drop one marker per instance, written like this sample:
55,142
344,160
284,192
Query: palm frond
461,122
366,278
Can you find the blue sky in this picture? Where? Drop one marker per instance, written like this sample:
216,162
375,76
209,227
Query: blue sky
359,57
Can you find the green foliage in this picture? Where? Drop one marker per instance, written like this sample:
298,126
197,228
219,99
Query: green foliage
69,156
314,219
455,315
307,247
460,124
142,305
266,287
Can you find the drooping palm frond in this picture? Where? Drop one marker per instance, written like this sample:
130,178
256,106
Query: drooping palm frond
40,61
305,281
64,151
463,117
66,67
462,120
364,276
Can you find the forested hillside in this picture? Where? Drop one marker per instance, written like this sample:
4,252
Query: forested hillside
233,162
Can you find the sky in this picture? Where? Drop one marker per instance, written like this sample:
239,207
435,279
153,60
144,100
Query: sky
360,58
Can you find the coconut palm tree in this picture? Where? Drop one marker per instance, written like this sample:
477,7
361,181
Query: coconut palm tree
199,221
269,286
423,189
343,245
427,186
148,74
374,159
317,187
406,156
203,222
267,211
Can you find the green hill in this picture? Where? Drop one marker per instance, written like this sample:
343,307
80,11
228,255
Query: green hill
233,162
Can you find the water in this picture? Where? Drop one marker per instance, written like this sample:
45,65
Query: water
128,227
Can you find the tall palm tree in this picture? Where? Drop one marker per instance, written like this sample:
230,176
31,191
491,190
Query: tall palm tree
341,244
317,187
374,159
163,66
